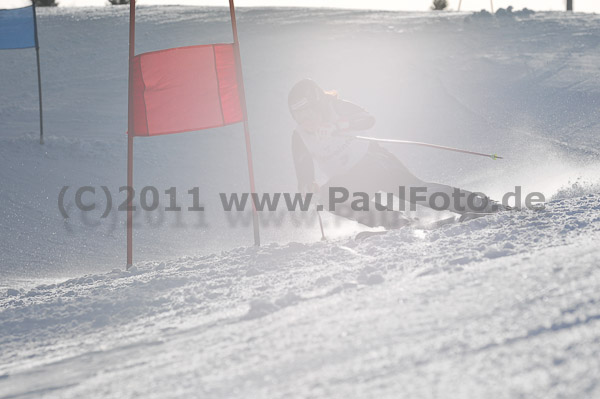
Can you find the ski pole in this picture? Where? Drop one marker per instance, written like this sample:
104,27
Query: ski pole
321,225
440,147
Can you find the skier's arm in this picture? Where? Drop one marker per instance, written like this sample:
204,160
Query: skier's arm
305,171
352,117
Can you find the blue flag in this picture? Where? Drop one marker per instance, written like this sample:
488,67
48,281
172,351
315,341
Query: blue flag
17,28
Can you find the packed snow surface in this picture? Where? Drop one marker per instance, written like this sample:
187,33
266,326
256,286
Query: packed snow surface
504,306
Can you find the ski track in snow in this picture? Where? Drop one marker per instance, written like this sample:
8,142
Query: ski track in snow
505,306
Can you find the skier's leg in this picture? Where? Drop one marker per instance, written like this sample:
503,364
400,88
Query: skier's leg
443,197
372,174
380,170
372,217
393,176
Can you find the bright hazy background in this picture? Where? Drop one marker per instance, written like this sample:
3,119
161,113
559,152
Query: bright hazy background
407,5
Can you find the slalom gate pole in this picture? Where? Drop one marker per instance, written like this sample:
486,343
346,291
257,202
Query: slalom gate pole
492,5
39,73
439,147
459,4
242,93
130,134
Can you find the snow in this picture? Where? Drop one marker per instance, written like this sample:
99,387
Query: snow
504,306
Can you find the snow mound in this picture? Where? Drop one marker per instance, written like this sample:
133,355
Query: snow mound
579,188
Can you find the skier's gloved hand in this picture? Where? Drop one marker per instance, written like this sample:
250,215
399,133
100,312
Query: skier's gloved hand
326,130
308,188
343,125
303,188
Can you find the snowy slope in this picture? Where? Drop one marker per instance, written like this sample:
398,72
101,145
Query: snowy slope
525,88
504,306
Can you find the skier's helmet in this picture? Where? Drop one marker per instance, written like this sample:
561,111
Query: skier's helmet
305,96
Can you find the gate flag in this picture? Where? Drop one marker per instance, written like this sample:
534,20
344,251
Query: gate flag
185,89
17,28
181,90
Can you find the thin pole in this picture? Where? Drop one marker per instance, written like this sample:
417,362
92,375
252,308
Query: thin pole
242,93
569,5
440,147
492,5
321,226
459,3
39,73
130,134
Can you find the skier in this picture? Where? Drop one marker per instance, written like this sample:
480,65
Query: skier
324,136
